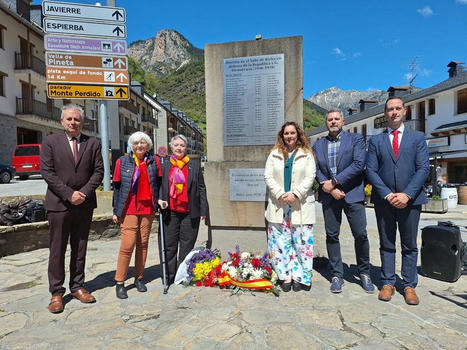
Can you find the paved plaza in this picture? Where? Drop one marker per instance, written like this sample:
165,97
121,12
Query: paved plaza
211,318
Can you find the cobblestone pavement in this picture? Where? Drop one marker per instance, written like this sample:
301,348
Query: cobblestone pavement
210,318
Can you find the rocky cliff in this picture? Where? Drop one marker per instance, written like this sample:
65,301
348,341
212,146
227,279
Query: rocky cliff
335,98
167,52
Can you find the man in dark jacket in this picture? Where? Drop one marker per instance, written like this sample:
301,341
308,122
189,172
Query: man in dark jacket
340,164
71,164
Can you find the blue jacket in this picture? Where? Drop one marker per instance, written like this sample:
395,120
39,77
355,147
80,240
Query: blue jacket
350,167
405,174
122,188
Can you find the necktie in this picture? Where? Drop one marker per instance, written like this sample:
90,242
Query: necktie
75,149
395,142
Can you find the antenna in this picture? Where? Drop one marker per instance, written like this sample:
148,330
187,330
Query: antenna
413,66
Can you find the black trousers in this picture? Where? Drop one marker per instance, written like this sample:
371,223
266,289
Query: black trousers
180,234
67,225
356,217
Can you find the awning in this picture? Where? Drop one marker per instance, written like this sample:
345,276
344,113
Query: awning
459,127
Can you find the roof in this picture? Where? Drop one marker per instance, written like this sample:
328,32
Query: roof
21,19
372,111
459,126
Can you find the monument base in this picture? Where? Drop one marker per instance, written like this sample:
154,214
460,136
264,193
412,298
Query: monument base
224,212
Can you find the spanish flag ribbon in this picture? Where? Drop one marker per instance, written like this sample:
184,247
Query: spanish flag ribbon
225,280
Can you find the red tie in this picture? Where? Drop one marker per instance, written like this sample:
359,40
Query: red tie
75,149
395,142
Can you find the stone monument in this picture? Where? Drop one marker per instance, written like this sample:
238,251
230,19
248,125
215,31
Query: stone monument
252,87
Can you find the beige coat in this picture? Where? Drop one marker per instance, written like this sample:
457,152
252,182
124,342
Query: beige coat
303,175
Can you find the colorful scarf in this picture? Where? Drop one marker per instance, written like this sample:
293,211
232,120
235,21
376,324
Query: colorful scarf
140,185
177,179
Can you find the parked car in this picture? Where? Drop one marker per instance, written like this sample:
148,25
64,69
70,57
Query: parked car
6,173
26,160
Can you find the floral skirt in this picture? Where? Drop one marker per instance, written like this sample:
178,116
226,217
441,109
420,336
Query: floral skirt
291,250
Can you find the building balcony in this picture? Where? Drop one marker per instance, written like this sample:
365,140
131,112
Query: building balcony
25,61
37,108
147,118
128,130
91,125
128,106
415,124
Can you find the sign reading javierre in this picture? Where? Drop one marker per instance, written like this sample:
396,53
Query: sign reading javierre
82,11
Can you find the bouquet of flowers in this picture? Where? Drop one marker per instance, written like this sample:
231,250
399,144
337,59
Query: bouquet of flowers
245,270
203,266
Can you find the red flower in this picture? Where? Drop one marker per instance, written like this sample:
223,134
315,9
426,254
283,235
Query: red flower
236,262
199,284
256,263
268,269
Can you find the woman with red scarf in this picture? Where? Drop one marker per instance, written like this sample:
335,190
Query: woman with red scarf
134,202
184,202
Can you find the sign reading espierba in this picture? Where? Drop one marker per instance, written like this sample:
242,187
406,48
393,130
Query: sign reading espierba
94,92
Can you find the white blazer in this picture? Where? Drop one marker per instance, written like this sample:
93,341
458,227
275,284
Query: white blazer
303,175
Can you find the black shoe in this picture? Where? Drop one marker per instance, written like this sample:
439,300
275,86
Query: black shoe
286,286
121,291
140,286
296,286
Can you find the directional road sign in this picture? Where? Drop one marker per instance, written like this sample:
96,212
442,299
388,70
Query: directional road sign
69,27
94,92
86,75
61,59
87,45
81,11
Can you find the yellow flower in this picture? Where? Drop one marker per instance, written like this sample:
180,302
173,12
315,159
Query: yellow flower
201,270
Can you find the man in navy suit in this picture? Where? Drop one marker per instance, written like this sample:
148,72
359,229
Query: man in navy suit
397,167
340,159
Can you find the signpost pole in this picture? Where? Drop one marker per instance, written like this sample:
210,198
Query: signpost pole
104,142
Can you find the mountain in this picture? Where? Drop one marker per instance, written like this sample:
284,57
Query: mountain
167,52
335,98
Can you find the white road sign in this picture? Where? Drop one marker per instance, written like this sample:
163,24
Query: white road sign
68,27
81,11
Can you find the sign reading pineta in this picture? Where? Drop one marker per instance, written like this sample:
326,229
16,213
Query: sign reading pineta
88,59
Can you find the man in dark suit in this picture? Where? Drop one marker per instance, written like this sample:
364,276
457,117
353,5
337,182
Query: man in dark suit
71,164
397,167
340,164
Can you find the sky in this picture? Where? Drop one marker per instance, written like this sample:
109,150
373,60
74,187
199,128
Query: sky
351,44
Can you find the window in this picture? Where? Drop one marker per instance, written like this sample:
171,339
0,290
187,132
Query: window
2,29
462,101
364,130
355,130
431,106
408,112
2,83
421,110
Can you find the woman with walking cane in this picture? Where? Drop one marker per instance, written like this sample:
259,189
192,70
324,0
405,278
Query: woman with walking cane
184,202
134,203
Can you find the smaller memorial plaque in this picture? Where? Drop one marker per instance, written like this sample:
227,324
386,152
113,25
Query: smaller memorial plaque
247,185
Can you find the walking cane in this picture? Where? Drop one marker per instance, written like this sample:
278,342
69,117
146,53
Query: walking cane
165,277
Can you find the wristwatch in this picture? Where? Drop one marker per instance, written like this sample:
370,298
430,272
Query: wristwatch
333,181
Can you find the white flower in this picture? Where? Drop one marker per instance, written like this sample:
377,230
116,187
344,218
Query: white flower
274,277
257,274
244,255
225,267
233,272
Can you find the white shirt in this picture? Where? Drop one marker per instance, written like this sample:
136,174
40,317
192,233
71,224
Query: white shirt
401,132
